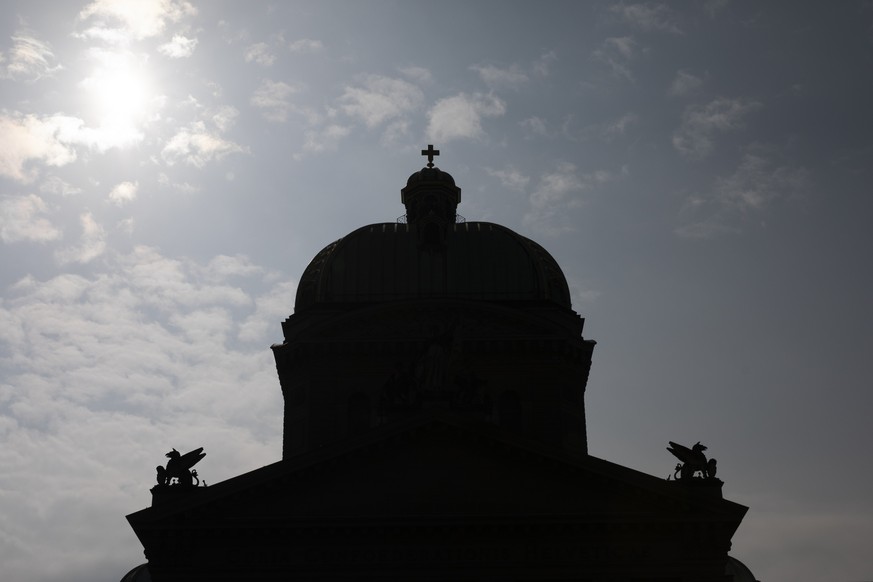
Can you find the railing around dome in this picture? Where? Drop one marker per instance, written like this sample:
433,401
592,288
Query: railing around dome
458,219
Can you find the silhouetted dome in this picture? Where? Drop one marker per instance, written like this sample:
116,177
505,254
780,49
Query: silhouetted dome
738,570
430,255
430,175
138,574
476,260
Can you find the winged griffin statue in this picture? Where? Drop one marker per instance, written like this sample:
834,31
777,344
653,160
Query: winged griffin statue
178,470
693,461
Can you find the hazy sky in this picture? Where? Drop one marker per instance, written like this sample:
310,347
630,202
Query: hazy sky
702,172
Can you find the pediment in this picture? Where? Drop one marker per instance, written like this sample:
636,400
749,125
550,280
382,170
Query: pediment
440,470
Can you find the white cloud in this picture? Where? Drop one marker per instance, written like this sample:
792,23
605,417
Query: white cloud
137,19
223,117
557,192
29,59
493,76
22,218
460,117
684,83
694,137
417,74
28,138
379,99
552,196
510,177
270,309
649,16
91,245
325,139
535,126
305,45
126,226
619,126
272,98
123,192
55,185
259,53
178,47
194,144
617,53
744,196
543,65
713,7
222,267
111,371
395,131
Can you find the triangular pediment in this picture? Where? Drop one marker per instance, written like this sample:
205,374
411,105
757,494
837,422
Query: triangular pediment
436,468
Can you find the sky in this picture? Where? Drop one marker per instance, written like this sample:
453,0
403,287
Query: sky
701,171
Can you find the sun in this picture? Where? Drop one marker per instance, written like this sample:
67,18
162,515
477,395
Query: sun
121,96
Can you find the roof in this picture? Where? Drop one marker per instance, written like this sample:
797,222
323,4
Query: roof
386,262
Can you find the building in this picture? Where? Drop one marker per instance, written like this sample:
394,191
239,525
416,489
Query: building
434,375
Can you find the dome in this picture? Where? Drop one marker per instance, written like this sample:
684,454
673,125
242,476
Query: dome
139,574
431,254
430,175
738,570
475,260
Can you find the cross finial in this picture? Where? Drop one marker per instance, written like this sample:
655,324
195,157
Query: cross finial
430,153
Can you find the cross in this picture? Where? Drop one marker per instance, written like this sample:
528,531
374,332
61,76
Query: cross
430,153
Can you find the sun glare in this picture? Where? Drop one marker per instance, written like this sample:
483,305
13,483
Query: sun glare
121,96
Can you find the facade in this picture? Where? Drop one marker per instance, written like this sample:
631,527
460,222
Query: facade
433,375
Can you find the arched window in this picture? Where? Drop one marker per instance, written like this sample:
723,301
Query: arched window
359,413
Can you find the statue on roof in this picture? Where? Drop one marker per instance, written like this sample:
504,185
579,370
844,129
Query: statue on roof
693,461
178,470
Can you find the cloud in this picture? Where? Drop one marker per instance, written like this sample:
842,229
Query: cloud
270,309
557,192
379,99
196,145
271,97
553,195
649,16
305,46
137,19
535,126
694,137
713,7
617,53
510,177
29,59
617,128
223,117
324,139
223,267
259,53
55,185
91,245
28,138
684,83
460,117
123,192
495,77
418,74
744,196
542,66
178,47
22,218
100,375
